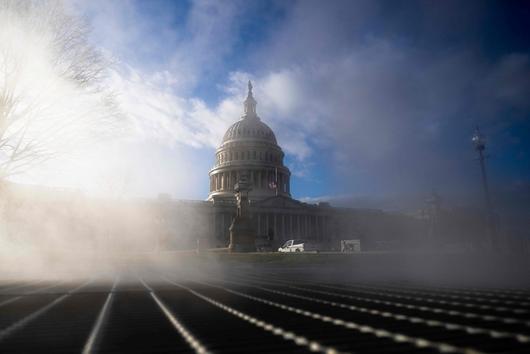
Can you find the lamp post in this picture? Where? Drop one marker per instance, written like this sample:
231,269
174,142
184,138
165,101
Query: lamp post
480,145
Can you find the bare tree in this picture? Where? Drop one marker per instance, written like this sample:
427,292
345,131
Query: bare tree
46,64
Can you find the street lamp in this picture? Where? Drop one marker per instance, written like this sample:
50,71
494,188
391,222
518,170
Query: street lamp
480,145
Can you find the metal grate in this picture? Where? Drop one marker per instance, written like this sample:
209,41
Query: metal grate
259,312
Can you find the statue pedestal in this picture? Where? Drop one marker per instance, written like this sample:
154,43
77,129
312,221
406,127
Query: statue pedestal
242,235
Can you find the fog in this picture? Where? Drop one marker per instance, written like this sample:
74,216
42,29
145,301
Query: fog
51,234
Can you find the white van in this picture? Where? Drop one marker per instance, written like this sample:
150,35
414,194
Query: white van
350,246
298,246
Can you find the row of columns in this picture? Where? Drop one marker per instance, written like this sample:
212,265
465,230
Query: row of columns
248,155
221,222
283,226
286,226
259,179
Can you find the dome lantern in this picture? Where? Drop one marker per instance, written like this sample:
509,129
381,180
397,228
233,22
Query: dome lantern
250,103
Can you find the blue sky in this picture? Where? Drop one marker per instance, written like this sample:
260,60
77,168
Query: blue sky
369,99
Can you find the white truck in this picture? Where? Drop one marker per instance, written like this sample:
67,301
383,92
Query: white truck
298,246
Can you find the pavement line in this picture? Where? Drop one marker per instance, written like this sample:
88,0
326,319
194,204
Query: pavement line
396,337
415,298
183,331
451,294
95,335
422,298
466,291
275,330
36,291
444,290
25,285
8,301
454,313
429,292
24,321
416,320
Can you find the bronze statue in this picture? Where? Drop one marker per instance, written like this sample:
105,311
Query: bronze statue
242,232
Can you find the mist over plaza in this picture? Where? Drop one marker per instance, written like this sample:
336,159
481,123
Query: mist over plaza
264,176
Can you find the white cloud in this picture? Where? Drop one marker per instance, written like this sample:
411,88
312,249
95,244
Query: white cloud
155,97
158,113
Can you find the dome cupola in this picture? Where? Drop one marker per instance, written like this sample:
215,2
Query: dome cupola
250,125
249,147
250,103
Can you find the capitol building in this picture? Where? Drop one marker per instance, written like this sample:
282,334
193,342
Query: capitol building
249,150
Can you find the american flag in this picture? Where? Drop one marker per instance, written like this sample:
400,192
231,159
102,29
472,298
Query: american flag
274,184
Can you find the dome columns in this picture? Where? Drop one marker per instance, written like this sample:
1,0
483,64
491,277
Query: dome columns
265,182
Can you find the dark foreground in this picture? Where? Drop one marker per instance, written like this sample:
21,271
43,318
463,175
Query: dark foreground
259,309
